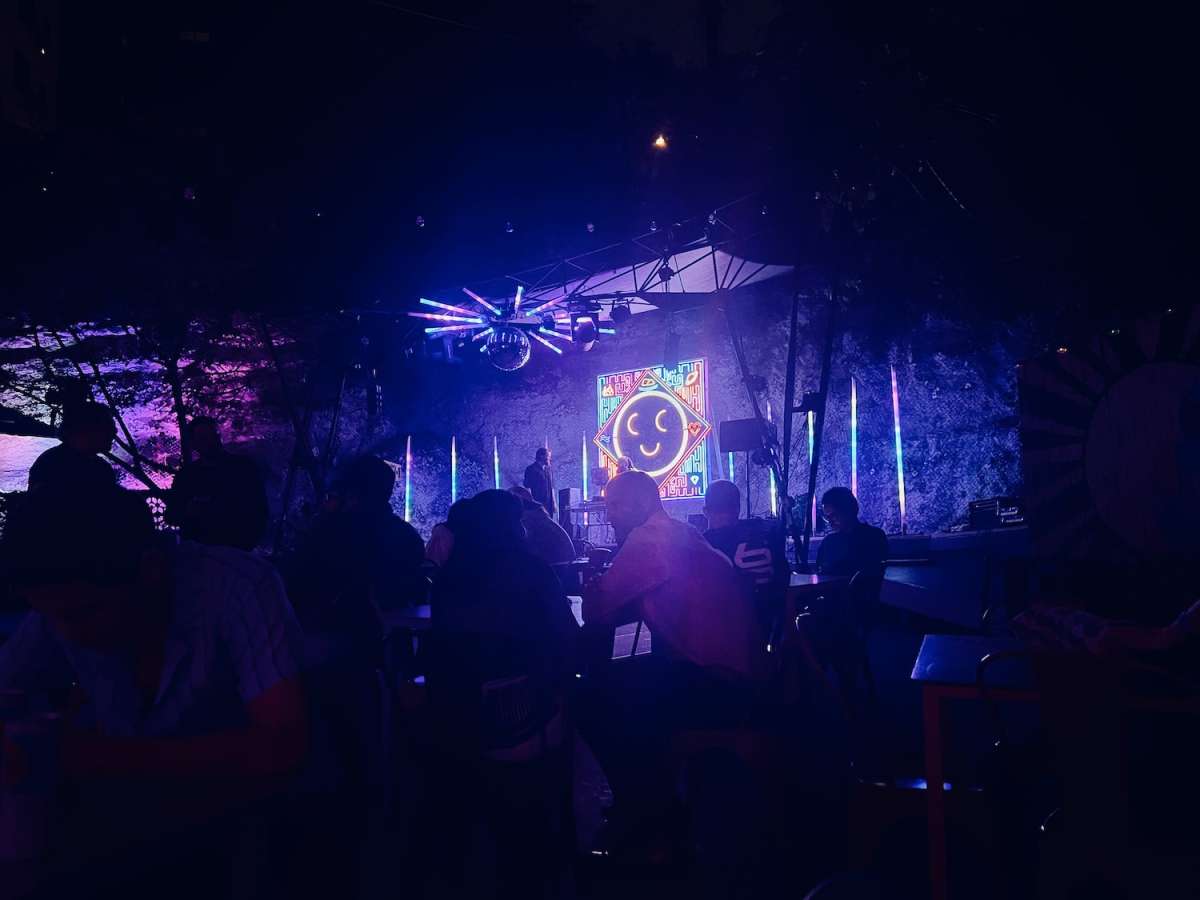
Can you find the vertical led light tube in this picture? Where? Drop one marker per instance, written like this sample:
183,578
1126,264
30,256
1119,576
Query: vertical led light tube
771,475
585,468
853,438
453,470
408,479
496,459
731,473
811,443
899,452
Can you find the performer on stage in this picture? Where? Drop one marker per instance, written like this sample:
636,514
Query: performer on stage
539,478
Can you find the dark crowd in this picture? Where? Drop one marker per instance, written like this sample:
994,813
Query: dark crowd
373,714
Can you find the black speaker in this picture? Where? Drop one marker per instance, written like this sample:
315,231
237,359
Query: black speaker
564,508
741,436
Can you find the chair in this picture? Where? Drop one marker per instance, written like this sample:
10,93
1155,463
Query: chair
838,634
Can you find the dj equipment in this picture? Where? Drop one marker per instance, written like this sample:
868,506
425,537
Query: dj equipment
995,512
741,436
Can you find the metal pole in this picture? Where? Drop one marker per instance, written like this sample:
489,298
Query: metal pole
826,361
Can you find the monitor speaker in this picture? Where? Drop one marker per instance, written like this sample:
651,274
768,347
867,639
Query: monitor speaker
741,436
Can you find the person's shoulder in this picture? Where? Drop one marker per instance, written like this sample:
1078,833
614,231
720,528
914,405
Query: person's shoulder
220,575
874,532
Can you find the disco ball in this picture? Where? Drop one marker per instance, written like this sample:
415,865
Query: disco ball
508,348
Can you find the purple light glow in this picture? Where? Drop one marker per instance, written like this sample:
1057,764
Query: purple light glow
474,296
520,293
853,438
442,317
445,328
455,309
408,479
557,334
542,340
546,305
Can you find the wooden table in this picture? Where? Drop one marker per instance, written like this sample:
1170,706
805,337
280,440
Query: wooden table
947,668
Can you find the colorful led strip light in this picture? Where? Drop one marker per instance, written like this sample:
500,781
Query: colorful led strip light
853,438
899,452
408,479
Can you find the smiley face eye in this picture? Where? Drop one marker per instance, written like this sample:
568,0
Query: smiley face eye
630,424
658,420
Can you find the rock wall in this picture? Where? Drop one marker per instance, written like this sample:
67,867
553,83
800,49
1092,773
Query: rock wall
956,389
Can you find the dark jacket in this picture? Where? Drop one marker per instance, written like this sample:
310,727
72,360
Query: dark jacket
540,481
861,549
220,501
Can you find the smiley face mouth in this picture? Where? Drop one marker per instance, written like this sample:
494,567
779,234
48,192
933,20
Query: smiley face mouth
650,454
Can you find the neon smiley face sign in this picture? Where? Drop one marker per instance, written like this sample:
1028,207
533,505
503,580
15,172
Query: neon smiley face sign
655,417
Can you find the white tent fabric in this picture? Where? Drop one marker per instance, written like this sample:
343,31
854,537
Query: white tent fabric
701,270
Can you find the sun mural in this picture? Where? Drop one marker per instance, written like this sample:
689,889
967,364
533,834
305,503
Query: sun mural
1110,432
656,417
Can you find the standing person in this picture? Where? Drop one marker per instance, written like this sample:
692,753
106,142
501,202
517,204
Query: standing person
74,465
359,553
852,546
219,498
539,478
754,546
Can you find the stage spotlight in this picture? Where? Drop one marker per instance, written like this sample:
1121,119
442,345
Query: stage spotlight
548,321
666,273
585,333
712,218
660,142
620,314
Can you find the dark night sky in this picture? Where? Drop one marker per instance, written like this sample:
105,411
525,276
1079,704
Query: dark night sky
1060,132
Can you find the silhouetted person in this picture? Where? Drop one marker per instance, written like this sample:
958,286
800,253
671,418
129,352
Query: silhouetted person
187,657
539,478
544,537
851,546
754,546
707,646
441,537
500,662
219,497
359,554
74,465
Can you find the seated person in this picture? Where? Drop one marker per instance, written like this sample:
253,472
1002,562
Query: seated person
498,610
707,648
544,537
358,553
500,661
187,658
218,498
87,430
754,546
851,546
441,538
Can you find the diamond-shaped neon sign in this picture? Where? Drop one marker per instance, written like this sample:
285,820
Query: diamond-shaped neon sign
653,426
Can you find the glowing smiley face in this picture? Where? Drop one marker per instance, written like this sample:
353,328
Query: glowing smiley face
652,430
